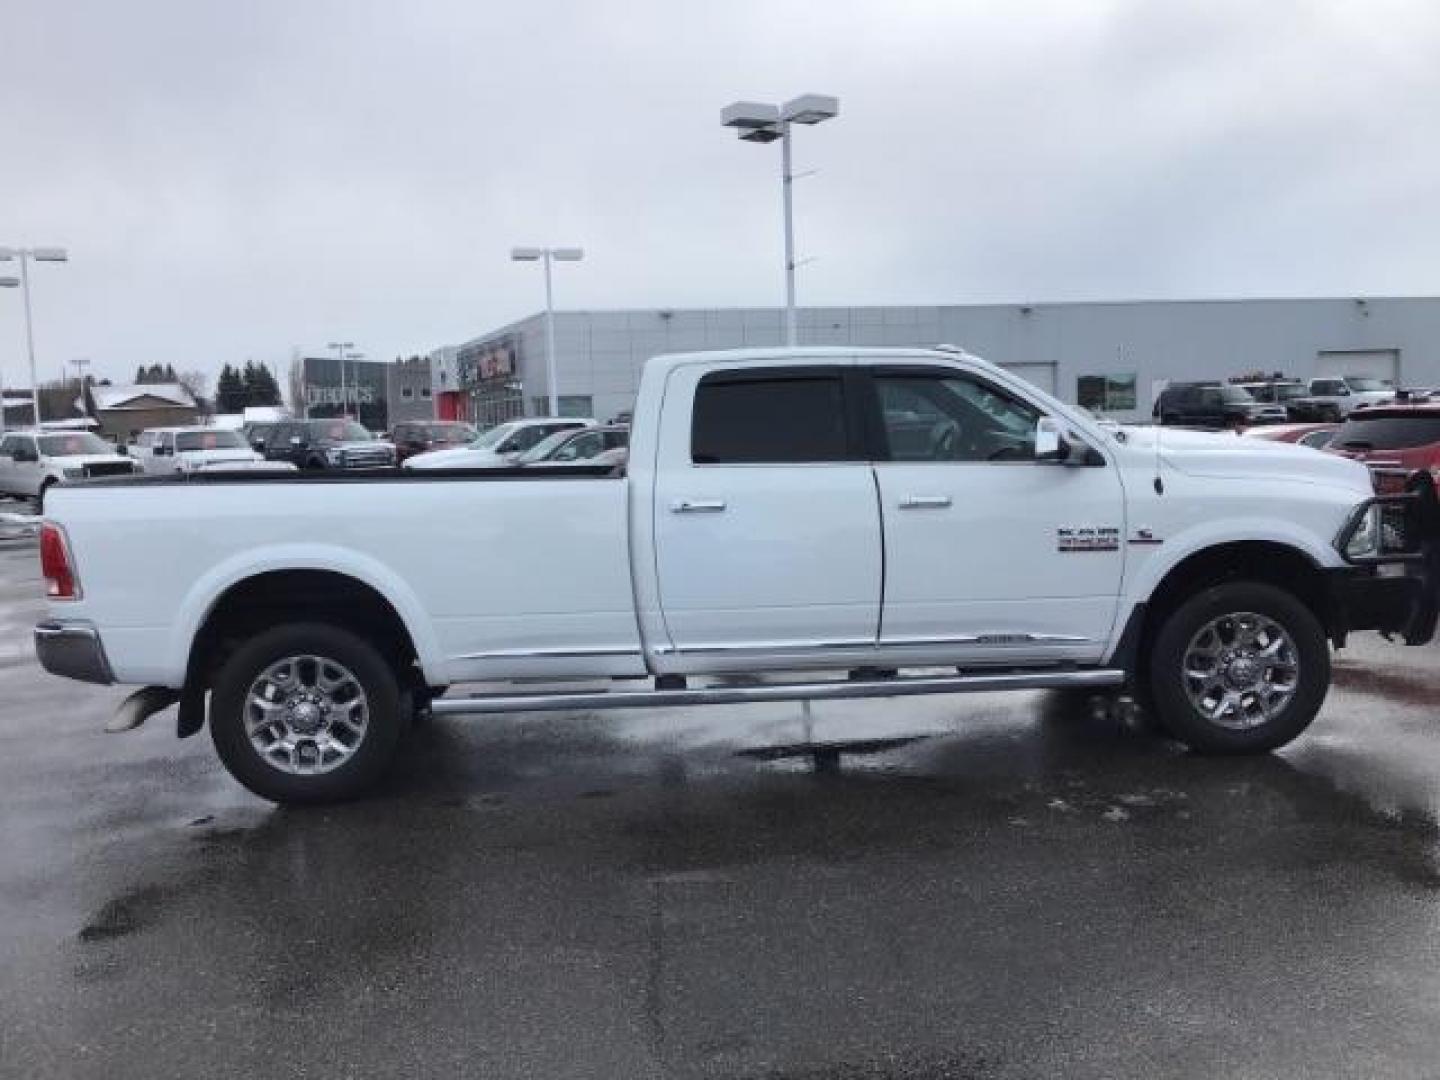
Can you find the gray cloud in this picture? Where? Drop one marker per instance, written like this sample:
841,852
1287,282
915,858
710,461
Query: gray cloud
235,180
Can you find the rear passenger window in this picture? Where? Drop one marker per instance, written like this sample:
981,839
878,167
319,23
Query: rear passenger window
774,420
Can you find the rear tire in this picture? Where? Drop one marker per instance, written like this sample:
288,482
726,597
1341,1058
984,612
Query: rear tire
1239,668
307,713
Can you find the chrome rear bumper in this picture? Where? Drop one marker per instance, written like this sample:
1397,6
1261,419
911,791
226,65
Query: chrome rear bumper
72,649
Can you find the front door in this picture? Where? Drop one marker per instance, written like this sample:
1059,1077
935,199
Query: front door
767,533
989,554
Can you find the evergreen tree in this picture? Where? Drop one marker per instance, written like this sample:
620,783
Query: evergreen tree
154,374
140,374
230,394
170,373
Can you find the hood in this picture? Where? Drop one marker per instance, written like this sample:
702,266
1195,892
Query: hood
1229,456
357,444
458,457
74,461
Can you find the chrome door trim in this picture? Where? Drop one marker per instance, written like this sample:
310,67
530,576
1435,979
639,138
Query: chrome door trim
552,654
870,645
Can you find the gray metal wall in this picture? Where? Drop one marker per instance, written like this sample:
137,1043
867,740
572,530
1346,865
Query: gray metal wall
601,353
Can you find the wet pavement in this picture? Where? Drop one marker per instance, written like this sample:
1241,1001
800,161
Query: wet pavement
1020,890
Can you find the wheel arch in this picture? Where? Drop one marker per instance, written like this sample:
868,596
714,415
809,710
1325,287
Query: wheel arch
1273,562
313,588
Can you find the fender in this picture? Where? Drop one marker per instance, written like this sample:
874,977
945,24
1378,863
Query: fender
200,601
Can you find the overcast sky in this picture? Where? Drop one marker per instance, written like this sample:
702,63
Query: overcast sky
238,178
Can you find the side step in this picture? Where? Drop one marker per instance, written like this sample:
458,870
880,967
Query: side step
803,691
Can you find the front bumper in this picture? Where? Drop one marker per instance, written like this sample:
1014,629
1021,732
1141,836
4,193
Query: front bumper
1396,590
72,649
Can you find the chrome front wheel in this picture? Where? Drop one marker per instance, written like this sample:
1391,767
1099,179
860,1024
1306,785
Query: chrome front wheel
1241,670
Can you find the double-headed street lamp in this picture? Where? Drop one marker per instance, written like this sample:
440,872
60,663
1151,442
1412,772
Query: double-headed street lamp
24,256
547,256
756,122
341,348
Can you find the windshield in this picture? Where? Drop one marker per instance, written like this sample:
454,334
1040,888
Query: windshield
448,432
81,442
1362,383
1289,391
1233,395
1388,432
545,447
340,431
208,440
494,437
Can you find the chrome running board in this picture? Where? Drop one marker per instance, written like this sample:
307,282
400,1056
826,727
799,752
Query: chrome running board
564,701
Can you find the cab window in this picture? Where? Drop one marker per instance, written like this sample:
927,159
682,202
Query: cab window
945,416
771,419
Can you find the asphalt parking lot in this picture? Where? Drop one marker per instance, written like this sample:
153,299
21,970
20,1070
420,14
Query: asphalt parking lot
1022,890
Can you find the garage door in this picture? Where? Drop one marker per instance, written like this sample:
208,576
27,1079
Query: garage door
1376,363
1041,375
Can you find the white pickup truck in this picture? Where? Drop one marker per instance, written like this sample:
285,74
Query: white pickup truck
842,522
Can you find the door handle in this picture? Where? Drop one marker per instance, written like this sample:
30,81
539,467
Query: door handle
925,502
697,506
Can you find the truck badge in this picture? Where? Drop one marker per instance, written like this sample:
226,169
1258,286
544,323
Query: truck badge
1088,538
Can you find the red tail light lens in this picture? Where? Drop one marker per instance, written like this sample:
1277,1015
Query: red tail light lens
55,564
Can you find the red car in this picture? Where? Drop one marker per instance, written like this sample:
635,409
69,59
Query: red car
417,436
1396,441
1316,436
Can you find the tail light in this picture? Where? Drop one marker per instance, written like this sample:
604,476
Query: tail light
56,564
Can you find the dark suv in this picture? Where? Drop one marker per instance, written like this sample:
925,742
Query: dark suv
327,444
1215,405
418,436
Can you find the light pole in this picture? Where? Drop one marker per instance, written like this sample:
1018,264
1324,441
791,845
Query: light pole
5,283
547,256
340,347
756,122
25,255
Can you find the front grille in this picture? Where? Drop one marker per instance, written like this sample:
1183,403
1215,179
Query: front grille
366,459
116,468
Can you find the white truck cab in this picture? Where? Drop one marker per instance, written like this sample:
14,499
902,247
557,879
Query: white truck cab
161,451
833,522
33,461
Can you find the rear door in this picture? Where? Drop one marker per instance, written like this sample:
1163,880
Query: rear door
767,531
989,555
25,471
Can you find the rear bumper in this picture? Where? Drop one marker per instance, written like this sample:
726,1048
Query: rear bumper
72,649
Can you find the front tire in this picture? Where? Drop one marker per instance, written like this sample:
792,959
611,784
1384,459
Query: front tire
307,713
1239,668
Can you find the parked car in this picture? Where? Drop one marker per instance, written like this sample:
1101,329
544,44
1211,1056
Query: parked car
1213,405
32,462
327,444
1397,443
1315,436
256,432
1276,392
499,446
1332,398
188,449
577,447
784,511
418,436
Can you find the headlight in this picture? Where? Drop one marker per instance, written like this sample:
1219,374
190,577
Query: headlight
1365,540
74,474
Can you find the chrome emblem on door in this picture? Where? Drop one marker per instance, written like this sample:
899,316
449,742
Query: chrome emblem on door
1088,538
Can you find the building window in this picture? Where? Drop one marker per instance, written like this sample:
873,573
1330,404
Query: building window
1106,393
407,392
425,392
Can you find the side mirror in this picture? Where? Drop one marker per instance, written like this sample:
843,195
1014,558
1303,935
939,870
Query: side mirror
160,451
297,442
1050,445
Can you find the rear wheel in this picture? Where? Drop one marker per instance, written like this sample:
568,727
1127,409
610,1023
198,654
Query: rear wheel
1240,668
307,713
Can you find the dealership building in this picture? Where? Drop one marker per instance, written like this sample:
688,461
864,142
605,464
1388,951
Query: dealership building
1111,357
379,395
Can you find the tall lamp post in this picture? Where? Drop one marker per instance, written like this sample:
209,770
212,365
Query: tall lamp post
547,256
25,256
340,347
5,283
757,122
